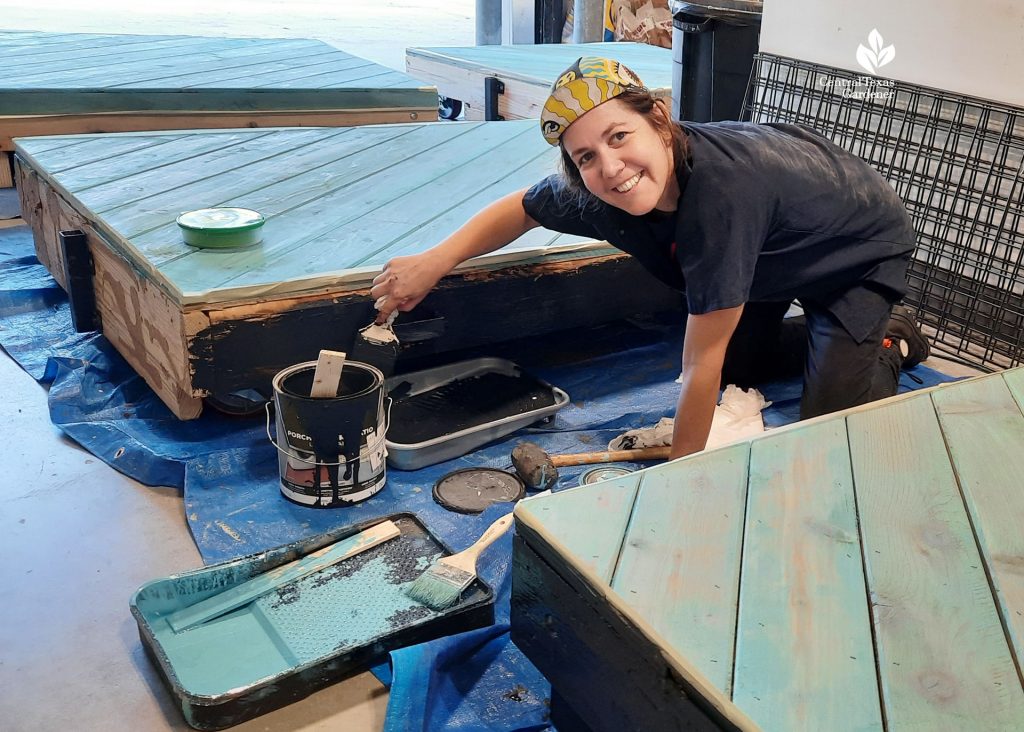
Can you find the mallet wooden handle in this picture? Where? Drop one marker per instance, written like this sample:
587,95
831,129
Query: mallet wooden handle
611,456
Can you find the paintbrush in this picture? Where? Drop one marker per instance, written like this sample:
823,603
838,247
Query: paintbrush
377,345
442,584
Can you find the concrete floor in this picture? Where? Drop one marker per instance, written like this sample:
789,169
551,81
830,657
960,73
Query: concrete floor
76,537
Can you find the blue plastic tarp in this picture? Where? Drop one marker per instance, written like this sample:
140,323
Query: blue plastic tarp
618,377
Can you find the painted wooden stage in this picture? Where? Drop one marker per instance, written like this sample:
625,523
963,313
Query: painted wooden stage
526,72
339,203
60,83
859,571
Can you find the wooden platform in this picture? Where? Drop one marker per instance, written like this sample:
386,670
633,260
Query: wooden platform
858,571
527,71
60,83
339,204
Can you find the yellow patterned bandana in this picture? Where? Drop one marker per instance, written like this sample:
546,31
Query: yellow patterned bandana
584,85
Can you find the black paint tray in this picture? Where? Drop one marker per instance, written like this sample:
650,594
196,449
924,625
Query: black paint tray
303,636
445,412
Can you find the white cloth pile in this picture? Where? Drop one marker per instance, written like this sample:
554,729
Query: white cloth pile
737,417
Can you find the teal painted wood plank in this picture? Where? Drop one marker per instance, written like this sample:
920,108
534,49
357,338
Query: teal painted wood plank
88,152
588,522
267,60
1015,382
364,188
804,653
65,56
417,218
313,157
436,222
984,431
297,71
105,184
542,64
282,189
15,48
943,659
679,568
57,142
138,64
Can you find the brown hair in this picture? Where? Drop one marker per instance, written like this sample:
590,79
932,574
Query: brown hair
656,112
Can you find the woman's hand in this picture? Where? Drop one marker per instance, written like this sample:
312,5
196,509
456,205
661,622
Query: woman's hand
405,281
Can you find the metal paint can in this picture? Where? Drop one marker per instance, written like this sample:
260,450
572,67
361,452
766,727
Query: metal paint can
596,475
330,450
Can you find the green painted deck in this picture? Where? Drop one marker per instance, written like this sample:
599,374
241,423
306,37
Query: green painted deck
528,71
71,73
339,202
858,571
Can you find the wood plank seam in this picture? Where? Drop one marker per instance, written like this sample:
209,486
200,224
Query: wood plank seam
867,583
979,543
739,575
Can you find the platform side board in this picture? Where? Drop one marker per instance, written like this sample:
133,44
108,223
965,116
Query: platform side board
69,74
680,561
803,628
943,660
984,431
527,71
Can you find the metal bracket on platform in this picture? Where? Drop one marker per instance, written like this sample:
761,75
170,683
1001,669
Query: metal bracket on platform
493,86
78,273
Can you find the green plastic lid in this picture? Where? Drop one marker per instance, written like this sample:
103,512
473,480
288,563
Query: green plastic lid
221,227
221,219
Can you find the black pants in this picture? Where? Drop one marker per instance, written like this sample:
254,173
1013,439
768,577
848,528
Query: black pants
838,372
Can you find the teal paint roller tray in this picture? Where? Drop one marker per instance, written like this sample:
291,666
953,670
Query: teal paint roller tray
302,636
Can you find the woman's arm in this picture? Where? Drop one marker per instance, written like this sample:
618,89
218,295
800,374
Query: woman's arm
707,337
405,281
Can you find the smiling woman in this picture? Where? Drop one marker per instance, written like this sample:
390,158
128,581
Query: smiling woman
744,218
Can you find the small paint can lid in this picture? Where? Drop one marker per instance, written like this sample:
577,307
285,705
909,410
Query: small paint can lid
221,219
596,475
471,490
221,227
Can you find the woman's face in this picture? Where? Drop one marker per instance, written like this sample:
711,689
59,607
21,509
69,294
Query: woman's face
623,159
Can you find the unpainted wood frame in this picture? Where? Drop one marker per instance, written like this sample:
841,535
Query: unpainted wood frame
137,317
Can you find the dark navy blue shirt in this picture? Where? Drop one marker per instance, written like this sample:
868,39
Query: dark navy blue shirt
766,213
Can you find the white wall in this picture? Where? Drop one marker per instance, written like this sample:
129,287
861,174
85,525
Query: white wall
974,47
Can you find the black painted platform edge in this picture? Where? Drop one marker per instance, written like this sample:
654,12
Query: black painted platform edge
478,309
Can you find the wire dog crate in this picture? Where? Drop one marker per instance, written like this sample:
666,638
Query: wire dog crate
956,162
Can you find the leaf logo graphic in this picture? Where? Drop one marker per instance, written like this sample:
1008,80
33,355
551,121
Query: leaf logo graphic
872,59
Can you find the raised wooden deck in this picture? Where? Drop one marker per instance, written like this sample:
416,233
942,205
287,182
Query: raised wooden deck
61,83
339,204
527,71
857,571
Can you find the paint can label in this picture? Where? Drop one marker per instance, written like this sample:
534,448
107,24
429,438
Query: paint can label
315,466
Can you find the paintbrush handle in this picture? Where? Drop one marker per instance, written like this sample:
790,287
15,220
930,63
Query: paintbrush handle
467,558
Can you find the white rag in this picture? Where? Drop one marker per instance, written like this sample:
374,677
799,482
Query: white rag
737,417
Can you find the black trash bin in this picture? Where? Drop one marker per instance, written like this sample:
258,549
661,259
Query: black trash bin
713,47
